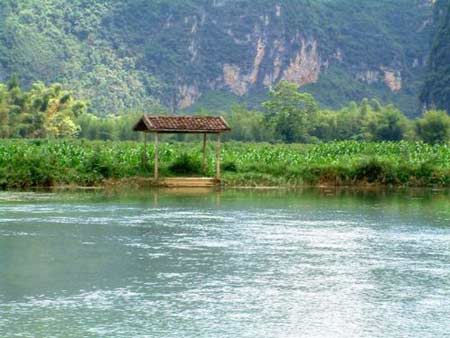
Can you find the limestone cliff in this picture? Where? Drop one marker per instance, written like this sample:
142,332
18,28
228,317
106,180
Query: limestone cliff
261,46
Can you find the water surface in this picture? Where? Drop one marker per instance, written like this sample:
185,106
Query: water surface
225,264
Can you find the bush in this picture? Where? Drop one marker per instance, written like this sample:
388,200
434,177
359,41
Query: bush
229,166
185,165
372,171
97,165
434,127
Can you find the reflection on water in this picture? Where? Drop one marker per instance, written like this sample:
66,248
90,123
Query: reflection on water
313,263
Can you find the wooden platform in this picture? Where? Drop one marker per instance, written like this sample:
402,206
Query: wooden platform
188,182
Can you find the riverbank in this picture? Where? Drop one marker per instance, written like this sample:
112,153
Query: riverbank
44,163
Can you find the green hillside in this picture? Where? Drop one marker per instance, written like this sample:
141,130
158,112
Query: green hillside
436,91
133,54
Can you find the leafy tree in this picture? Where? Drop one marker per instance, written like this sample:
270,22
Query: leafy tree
247,125
291,116
325,126
390,124
13,82
43,111
290,111
4,111
434,127
351,122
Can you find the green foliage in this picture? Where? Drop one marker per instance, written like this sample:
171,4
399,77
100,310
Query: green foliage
66,41
434,127
290,116
391,125
54,162
109,128
291,111
185,164
436,90
372,170
247,125
129,55
341,163
229,166
296,117
43,111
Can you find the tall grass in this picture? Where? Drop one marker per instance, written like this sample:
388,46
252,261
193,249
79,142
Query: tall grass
25,163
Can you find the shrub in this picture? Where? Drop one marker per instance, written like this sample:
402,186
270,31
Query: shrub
97,165
185,165
372,171
434,127
229,166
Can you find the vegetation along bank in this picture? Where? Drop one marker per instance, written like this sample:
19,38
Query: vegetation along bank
46,163
289,141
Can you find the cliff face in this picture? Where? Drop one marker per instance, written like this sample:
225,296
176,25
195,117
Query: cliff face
436,90
182,52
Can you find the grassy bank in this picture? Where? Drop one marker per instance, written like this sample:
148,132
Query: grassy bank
41,163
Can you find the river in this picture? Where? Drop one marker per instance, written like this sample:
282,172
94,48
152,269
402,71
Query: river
311,263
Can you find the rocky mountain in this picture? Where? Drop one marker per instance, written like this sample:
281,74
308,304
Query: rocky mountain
129,54
436,91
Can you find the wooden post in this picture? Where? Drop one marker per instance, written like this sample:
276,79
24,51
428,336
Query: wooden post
204,154
144,155
218,157
156,157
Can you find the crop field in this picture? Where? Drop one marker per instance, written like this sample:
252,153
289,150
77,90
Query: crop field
45,163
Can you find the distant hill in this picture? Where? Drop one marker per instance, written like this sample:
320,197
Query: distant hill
436,91
130,54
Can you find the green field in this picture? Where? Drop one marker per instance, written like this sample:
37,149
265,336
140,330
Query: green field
46,163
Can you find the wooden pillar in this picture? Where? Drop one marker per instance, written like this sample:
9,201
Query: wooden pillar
156,157
144,155
204,154
218,157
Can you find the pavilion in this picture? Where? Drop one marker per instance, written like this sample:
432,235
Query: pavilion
184,125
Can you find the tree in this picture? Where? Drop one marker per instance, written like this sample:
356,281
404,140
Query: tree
291,112
434,127
13,82
43,111
325,127
391,124
351,122
247,125
61,112
4,111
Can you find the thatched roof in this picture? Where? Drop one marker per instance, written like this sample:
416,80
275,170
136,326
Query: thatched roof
182,124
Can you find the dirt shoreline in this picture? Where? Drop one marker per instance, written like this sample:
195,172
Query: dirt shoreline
144,183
